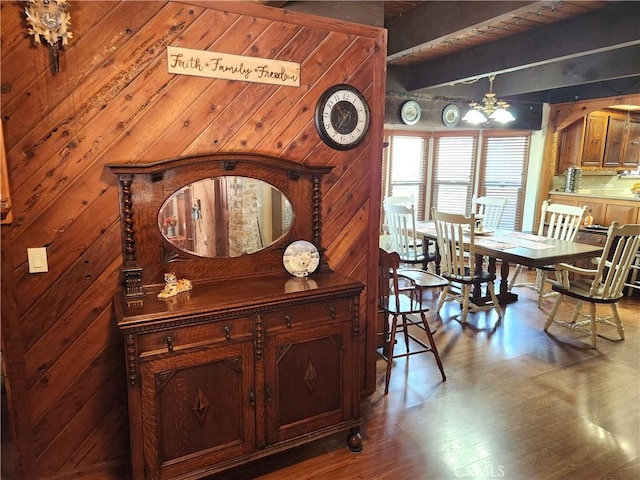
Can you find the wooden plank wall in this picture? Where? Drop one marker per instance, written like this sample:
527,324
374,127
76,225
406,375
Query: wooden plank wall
113,101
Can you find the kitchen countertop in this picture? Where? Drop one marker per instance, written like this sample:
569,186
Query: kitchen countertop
614,194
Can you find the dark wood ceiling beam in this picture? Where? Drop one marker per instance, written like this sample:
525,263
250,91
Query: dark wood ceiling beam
437,21
611,27
629,86
599,67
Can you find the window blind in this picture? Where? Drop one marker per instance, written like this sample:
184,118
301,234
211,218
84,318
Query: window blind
503,174
407,172
453,173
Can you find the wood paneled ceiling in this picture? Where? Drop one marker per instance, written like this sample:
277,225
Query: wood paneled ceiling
540,51
529,16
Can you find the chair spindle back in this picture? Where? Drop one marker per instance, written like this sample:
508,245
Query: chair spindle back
455,260
562,221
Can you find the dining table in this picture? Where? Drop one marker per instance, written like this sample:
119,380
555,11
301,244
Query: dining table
512,247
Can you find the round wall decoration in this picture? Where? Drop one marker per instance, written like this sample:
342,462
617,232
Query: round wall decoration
342,117
451,115
410,112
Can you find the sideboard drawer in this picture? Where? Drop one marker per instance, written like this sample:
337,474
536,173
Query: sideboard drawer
335,309
183,337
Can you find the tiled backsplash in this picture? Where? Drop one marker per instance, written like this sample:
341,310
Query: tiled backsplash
606,182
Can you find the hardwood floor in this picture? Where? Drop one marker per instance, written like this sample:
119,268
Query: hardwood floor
518,403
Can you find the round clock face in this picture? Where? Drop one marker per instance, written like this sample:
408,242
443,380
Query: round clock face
342,117
48,17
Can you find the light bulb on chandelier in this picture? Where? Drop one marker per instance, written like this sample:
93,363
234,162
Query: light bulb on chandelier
490,109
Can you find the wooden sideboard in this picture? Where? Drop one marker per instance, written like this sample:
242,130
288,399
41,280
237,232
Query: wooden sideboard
234,370
252,360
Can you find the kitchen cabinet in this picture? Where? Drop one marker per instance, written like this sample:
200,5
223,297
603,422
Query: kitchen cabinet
614,147
595,132
570,148
604,210
622,148
602,139
631,157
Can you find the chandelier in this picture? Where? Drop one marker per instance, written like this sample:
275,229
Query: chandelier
490,109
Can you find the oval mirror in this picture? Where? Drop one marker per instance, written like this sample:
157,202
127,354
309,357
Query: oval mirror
226,216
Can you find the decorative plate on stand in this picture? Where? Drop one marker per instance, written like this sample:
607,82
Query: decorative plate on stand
410,112
301,258
451,115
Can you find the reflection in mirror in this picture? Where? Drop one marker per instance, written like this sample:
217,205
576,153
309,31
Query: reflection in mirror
225,217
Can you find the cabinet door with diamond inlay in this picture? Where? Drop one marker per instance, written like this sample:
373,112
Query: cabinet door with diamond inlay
197,408
308,380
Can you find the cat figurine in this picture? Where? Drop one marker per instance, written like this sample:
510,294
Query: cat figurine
174,286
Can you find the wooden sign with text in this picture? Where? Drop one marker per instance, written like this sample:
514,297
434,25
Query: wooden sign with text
201,63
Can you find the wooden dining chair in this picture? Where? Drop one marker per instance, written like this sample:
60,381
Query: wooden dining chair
401,222
604,285
560,222
398,302
633,282
490,209
458,263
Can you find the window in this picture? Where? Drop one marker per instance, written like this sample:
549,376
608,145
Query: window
444,170
407,173
453,174
503,168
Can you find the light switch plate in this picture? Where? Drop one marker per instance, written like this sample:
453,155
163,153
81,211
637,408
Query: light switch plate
37,260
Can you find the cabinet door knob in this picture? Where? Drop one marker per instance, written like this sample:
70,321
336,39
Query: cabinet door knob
252,397
227,332
287,320
332,312
169,340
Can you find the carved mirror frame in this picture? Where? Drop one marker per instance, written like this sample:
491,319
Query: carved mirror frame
144,187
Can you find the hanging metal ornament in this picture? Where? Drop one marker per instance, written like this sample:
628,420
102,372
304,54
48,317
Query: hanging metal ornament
49,21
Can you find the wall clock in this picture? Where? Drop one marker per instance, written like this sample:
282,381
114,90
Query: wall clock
451,115
410,112
49,21
342,117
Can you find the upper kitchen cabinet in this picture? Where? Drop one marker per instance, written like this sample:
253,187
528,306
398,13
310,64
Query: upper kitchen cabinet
615,142
631,156
595,134
602,139
570,149
622,149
